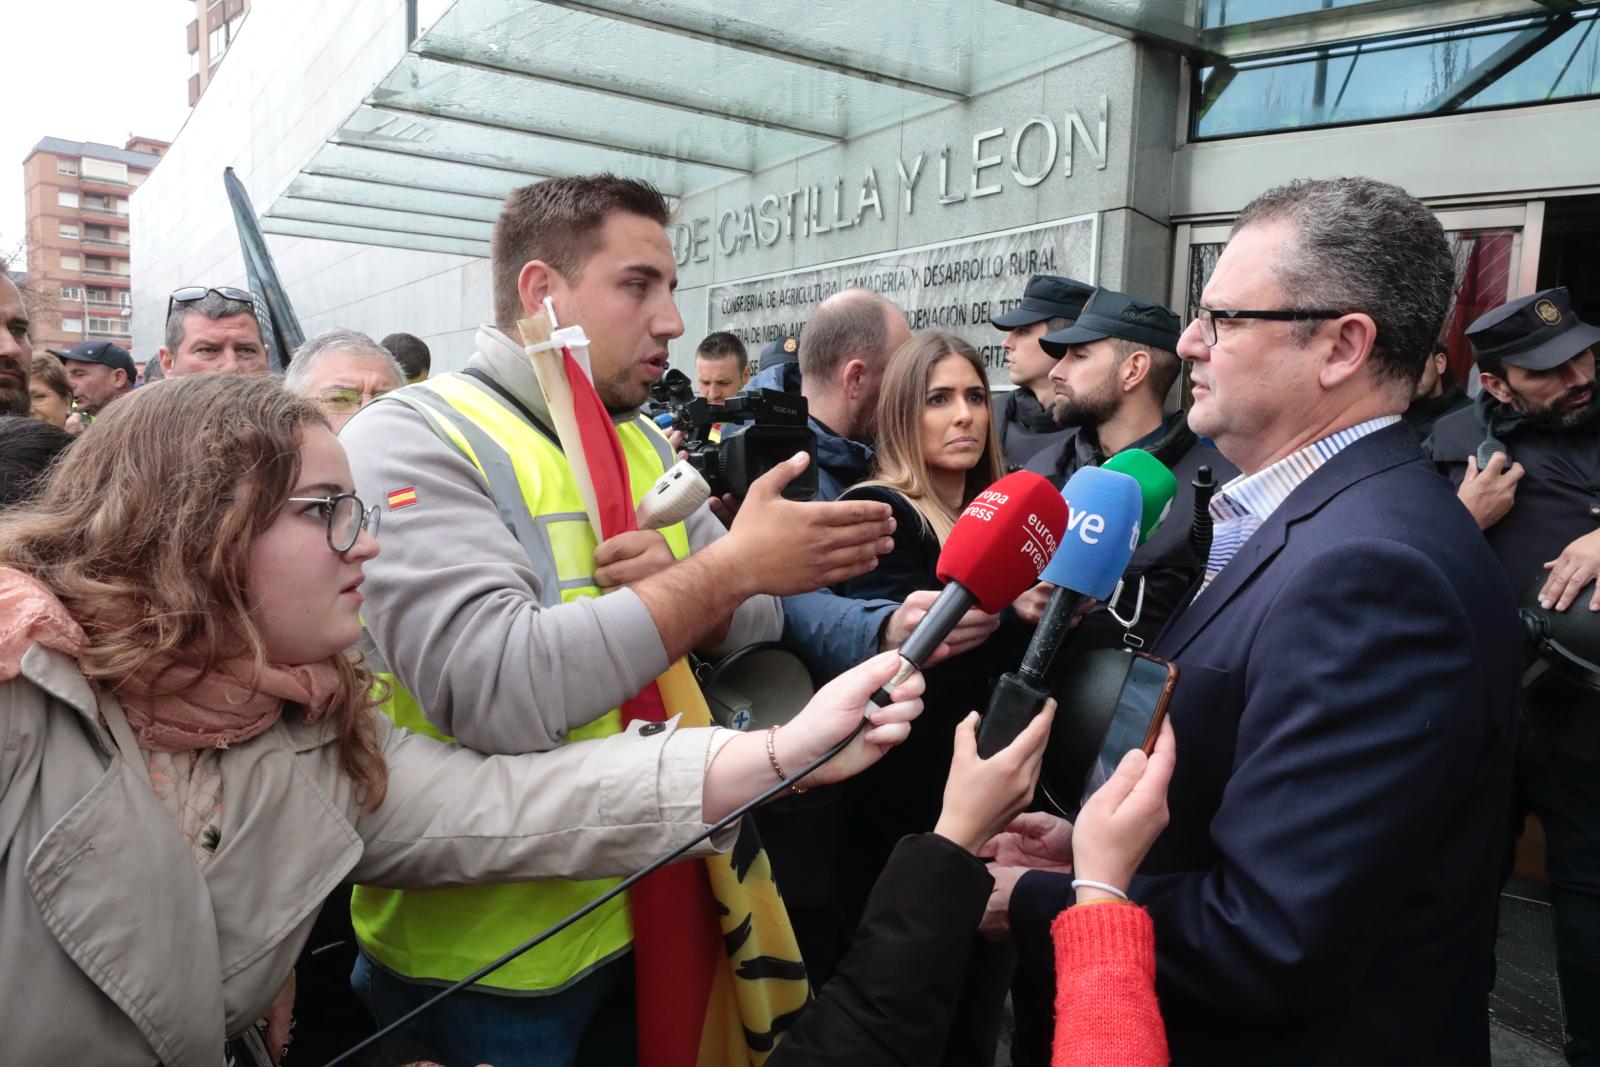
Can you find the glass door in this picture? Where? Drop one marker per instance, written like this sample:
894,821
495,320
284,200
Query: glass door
1496,251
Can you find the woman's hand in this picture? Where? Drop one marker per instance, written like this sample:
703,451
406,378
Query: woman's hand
836,710
1124,817
981,795
742,769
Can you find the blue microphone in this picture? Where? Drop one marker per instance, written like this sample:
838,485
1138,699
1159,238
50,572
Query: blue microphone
1103,525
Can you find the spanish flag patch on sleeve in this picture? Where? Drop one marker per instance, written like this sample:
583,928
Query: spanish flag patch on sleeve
401,498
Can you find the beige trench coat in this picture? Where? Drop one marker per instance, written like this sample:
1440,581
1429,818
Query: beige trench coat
116,949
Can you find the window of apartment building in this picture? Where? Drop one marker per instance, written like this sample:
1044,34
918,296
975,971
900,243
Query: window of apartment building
69,231
70,263
217,41
91,232
66,198
68,167
113,327
71,292
122,202
126,298
99,263
99,296
97,203
106,170
71,325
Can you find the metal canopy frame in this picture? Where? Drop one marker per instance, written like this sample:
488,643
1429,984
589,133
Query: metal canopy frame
1150,21
688,94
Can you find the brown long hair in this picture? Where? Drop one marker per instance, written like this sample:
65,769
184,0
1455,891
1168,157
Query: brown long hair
145,528
900,464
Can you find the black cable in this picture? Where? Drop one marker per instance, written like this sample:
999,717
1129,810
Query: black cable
627,883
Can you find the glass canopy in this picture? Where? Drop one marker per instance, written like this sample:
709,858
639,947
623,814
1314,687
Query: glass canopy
685,93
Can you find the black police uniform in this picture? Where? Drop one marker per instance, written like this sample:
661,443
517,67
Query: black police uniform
1024,425
1556,502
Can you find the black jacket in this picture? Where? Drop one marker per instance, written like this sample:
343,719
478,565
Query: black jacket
895,991
1024,426
1167,561
1424,414
1556,502
903,792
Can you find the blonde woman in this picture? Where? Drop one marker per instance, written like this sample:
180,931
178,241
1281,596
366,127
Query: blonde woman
936,450
189,762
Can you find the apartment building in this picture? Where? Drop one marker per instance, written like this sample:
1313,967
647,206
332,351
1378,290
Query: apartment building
76,197
215,24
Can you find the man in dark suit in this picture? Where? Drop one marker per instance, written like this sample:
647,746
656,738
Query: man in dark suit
1325,892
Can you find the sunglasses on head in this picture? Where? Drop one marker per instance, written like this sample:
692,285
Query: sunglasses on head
190,293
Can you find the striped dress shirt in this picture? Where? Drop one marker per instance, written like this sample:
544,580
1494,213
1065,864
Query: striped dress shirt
1241,506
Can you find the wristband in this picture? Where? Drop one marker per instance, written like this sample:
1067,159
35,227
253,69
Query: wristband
1091,884
772,758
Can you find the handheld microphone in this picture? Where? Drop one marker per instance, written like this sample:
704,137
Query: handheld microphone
1103,530
996,550
1157,484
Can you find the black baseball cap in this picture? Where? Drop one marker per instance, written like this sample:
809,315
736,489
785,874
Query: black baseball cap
1046,297
1538,332
106,353
1113,314
783,350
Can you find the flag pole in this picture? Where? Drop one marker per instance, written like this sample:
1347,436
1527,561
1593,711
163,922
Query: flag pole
547,355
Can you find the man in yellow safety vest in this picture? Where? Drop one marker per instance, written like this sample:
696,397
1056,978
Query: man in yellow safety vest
485,608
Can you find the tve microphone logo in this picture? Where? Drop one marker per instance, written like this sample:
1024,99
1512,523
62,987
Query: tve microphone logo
1104,508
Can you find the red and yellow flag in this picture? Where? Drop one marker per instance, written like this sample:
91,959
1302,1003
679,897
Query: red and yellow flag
718,969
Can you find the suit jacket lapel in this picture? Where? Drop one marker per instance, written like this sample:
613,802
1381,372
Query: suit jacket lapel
1378,451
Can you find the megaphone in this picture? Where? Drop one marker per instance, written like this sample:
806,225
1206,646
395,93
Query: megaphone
1561,685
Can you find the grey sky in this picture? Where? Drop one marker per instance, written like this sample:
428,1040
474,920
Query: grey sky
88,70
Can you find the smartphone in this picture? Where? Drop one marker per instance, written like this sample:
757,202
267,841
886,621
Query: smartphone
1136,721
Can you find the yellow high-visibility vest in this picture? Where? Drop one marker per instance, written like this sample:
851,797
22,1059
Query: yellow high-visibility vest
446,934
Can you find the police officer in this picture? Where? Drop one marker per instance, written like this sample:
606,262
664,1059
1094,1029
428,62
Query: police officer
1115,367
1538,502
1022,416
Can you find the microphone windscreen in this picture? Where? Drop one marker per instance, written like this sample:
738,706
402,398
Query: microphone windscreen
1003,539
1101,534
1157,486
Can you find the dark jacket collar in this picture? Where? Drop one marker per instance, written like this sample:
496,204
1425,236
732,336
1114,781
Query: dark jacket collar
1382,450
1023,408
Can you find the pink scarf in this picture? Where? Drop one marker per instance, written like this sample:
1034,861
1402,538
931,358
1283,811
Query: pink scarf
214,711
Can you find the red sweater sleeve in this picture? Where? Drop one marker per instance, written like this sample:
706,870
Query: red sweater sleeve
1106,1011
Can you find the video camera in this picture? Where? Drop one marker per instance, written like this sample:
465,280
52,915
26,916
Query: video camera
759,431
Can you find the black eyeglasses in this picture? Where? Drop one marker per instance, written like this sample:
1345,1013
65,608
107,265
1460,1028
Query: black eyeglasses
190,293
346,518
1208,317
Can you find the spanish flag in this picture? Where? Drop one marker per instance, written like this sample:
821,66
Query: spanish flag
718,970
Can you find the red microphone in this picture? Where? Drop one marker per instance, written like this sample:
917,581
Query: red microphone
993,555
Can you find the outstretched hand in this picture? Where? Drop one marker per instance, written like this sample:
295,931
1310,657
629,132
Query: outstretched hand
837,708
792,546
981,795
1124,817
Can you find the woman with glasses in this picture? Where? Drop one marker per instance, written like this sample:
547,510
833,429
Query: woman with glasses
190,762
342,371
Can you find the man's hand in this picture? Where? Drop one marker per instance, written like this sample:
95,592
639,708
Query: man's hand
627,557
1489,493
1036,840
1576,567
972,630
791,546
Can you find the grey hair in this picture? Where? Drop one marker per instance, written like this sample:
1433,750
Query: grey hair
352,341
212,306
852,324
1368,246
